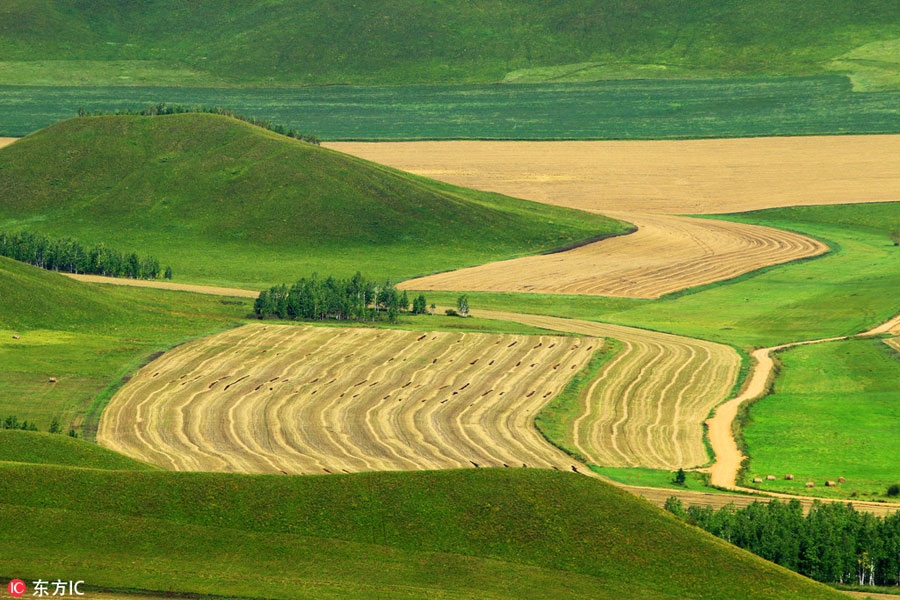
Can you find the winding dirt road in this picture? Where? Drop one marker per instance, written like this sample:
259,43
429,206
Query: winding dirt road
723,472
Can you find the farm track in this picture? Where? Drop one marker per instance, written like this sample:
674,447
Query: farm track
296,399
647,183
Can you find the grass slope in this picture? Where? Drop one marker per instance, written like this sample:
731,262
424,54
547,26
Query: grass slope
846,291
87,337
834,412
291,42
478,533
50,449
228,203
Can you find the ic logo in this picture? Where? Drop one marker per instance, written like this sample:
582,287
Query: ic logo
16,588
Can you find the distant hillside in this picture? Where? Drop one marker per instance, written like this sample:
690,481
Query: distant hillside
222,201
476,533
292,42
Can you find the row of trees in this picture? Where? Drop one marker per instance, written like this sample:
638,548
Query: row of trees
833,543
12,422
353,299
71,256
164,108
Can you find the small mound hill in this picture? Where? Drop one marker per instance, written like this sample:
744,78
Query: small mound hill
476,533
223,201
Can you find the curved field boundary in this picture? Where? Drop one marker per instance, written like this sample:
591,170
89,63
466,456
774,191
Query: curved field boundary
666,254
6,141
723,473
647,406
296,399
165,285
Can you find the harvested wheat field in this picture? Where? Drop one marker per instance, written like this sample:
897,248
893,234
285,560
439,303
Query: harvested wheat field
647,406
664,177
6,141
893,343
646,183
292,399
666,254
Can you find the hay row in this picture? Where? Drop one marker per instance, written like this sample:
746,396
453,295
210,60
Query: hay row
269,399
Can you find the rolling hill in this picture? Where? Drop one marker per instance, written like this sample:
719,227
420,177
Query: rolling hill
225,202
296,42
475,533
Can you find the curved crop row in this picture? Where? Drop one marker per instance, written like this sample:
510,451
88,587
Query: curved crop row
274,398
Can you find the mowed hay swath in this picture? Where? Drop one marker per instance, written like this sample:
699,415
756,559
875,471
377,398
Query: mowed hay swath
299,399
666,254
648,404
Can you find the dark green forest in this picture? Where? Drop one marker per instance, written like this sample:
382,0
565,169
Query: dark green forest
353,299
833,543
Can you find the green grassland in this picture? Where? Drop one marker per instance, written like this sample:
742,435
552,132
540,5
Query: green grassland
636,109
225,202
477,533
834,412
301,42
55,449
847,291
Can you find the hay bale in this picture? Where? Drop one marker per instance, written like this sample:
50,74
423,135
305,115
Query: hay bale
15,337
789,477
841,480
757,480
53,380
830,483
770,478
810,484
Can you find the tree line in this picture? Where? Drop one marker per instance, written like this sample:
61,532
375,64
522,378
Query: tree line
353,299
70,256
12,422
164,108
833,543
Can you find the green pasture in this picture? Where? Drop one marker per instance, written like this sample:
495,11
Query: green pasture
476,533
619,109
834,412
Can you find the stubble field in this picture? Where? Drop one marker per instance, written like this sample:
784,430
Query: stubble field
293,399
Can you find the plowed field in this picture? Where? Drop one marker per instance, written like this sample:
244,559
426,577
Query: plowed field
320,399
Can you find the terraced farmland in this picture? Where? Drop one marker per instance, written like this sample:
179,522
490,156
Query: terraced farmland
647,406
275,398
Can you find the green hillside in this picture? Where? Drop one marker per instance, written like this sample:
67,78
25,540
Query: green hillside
225,202
51,449
478,533
88,337
292,42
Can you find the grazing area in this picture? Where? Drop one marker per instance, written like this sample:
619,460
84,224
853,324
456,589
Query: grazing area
647,403
606,110
476,533
248,207
833,413
235,43
295,399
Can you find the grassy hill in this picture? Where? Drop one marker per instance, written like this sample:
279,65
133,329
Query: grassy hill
291,42
225,202
50,449
478,533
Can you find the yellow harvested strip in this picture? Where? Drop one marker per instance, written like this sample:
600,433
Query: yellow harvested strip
893,343
6,141
294,399
647,406
666,254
